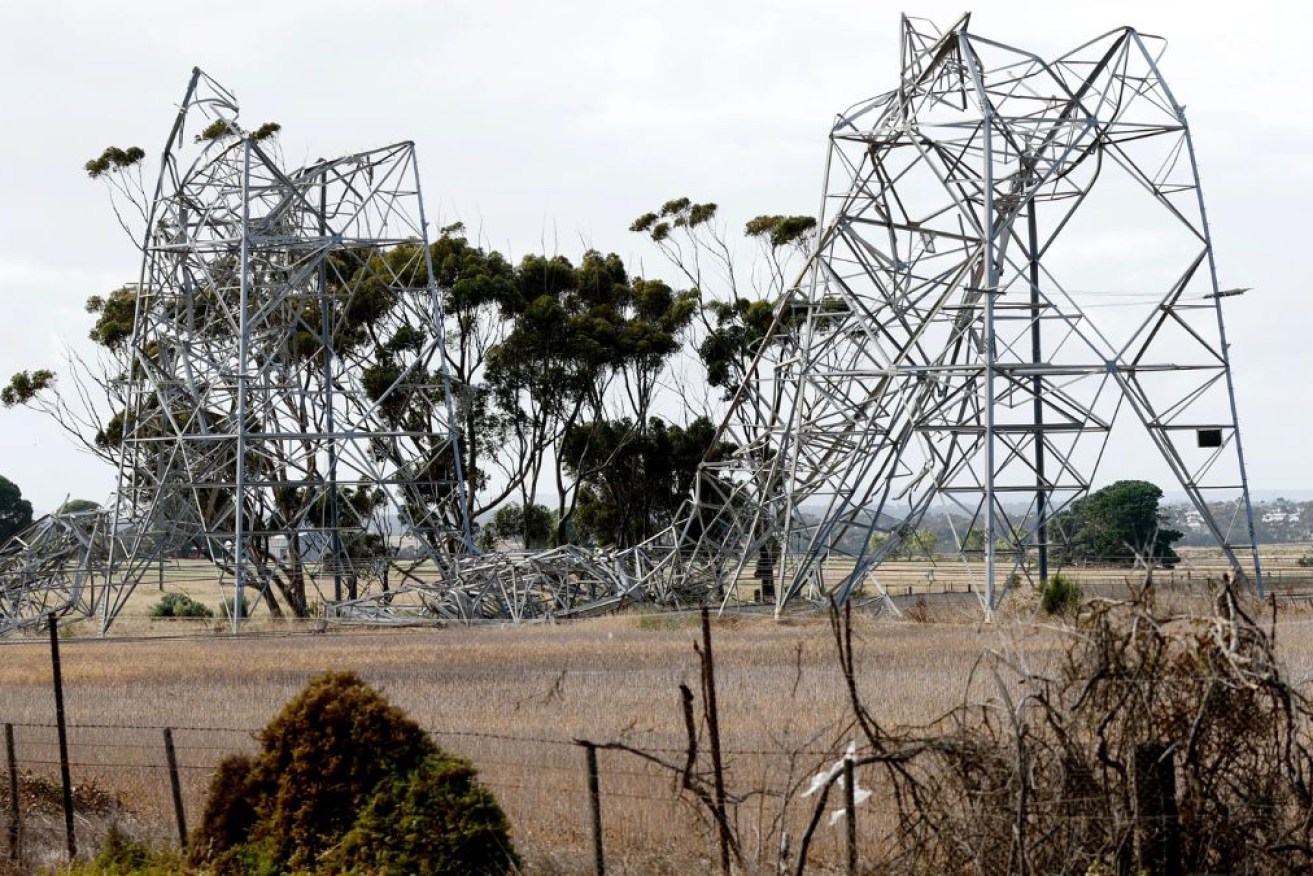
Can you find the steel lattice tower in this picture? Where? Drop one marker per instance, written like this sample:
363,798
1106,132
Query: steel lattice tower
1014,267
944,347
286,398
260,408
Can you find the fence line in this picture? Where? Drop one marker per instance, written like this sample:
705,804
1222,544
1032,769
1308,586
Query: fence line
123,770
541,782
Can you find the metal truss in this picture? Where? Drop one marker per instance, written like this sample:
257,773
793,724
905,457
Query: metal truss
1014,259
567,581
284,398
58,564
947,347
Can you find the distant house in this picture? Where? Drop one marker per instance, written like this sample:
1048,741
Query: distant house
1281,517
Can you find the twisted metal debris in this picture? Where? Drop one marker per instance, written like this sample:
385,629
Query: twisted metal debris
946,347
943,349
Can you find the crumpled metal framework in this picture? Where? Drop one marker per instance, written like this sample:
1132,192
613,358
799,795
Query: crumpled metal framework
253,428
942,350
945,349
56,565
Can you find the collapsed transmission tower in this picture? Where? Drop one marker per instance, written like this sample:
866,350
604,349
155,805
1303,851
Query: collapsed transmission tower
284,408
1014,259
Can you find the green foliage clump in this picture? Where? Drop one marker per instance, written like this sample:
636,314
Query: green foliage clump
740,328
112,159
179,605
24,386
675,213
396,832
780,230
1060,596
78,506
1120,524
345,782
533,524
115,317
15,511
229,811
634,477
918,544
220,127
265,131
226,607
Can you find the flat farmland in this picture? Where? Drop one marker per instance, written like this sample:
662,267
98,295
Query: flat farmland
942,574
511,700
514,700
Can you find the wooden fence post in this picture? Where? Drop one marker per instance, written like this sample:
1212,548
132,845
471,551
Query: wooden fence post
1158,828
595,807
175,783
15,822
850,813
62,727
713,732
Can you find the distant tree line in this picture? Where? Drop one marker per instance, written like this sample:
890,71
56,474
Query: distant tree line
1121,524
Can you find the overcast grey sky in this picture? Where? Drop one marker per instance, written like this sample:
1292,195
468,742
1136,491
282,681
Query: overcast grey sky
553,125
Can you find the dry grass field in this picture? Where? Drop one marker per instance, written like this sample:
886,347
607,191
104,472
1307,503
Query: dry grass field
513,699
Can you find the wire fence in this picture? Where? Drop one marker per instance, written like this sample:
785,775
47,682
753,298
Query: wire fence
121,774
555,789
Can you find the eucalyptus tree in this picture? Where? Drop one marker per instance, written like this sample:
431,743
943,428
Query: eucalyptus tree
633,480
738,304
584,340
15,511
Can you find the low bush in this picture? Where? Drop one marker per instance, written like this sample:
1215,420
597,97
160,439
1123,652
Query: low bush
179,605
121,855
229,815
1060,596
226,607
346,782
397,831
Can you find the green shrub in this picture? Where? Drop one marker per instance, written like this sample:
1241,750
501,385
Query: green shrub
1060,596
229,815
321,759
179,605
338,762
395,832
226,607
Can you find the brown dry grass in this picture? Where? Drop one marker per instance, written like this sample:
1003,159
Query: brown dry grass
511,699
945,574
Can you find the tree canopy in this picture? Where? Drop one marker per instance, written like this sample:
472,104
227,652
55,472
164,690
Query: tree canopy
15,511
580,340
635,476
1118,525
570,377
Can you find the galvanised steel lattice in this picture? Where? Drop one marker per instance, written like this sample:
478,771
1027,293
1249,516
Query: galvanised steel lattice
1015,259
284,398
